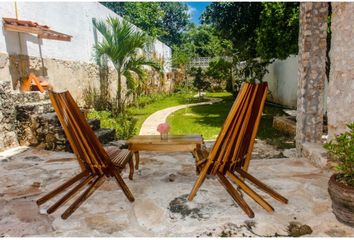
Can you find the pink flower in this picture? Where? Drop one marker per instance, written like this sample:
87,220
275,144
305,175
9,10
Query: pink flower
163,128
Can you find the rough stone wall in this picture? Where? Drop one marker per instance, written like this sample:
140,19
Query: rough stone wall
77,77
80,78
8,136
312,72
341,81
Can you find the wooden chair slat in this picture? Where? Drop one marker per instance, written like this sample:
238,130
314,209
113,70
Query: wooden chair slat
96,164
233,147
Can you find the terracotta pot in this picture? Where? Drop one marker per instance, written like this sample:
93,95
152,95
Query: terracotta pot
342,200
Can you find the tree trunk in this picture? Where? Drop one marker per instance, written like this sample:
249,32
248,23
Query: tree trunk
119,92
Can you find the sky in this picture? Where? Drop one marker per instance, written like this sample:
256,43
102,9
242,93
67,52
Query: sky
196,9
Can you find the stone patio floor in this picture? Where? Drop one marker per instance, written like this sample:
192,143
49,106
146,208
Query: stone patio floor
161,208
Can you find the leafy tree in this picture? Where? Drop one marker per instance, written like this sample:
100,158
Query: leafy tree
203,41
145,15
220,70
164,20
277,35
121,44
237,22
174,22
199,81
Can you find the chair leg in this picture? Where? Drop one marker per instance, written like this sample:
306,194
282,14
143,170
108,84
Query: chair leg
235,195
83,197
137,158
262,186
61,188
69,194
199,182
124,186
250,192
131,168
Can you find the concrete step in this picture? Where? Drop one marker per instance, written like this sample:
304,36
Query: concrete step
26,110
106,135
52,119
30,97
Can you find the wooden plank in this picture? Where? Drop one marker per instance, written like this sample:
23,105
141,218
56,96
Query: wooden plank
235,195
221,137
262,186
231,131
61,188
238,145
70,194
237,137
60,115
250,192
255,128
137,158
123,186
83,197
162,147
199,181
172,139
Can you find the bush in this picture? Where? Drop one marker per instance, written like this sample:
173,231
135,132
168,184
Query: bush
124,125
341,149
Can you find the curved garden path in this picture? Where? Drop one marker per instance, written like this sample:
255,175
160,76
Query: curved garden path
150,124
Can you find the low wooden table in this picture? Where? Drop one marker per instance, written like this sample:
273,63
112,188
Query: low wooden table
174,143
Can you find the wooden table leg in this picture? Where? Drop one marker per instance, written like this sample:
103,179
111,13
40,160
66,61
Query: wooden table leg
136,154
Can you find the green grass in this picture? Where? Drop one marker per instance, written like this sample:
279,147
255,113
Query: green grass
204,119
129,125
208,119
164,101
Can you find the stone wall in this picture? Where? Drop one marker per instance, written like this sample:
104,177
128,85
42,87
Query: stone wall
311,72
8,136
341,80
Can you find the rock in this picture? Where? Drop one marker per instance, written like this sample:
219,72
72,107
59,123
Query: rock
296,229
105,135
95,124
286,124
172,177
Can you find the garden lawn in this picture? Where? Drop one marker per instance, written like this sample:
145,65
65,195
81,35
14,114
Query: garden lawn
208,120
204,119
161,102
127,126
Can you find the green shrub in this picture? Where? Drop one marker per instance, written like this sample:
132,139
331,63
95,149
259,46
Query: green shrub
125,125
341,149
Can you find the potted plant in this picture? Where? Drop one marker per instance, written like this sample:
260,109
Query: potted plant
341,184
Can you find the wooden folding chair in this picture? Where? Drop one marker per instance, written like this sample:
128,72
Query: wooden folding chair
231,153
96,163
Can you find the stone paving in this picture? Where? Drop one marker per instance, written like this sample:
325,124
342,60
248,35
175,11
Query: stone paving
161,208
149,126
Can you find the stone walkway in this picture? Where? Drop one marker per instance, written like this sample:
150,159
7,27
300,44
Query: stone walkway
150,124
161,208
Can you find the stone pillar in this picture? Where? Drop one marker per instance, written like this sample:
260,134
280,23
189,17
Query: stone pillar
311,72
341,80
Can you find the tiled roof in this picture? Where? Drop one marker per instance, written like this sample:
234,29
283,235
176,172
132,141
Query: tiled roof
43,31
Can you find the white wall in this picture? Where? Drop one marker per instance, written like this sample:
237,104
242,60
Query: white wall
282,80
73,18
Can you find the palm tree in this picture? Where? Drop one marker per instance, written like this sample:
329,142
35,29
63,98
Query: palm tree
125,46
